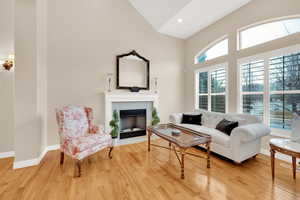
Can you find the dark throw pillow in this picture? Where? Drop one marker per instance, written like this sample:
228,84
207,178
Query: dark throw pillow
191,119
226,126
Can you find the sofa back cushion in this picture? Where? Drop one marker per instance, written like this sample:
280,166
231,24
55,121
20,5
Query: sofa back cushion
192,119
211,119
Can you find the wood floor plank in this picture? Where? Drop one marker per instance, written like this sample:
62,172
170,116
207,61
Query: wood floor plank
135,174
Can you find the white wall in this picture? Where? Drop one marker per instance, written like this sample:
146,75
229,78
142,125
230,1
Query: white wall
6,78
84,38
6,111
6,28
30,79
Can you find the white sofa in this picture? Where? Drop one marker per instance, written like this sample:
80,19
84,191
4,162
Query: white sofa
244,141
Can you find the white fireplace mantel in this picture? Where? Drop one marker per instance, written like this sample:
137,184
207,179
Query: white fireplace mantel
111,97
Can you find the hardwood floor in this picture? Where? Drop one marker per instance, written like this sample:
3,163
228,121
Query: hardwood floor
133,173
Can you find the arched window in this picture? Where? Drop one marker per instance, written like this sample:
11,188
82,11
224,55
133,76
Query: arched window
258,34
214,50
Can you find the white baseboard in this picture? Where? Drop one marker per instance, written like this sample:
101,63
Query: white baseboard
26,163
7,154
35,161
53,147
278,155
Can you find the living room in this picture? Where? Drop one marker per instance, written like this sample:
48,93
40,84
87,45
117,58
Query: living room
209,79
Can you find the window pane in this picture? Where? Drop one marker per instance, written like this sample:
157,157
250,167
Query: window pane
276,111
218,103
253,76
253,104
285,72
267,32
219,49
276,74
292,72
203,81
218,81
203,102
282,107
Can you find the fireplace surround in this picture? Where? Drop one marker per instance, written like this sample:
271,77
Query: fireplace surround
118,100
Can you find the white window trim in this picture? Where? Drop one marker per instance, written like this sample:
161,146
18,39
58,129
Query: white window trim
209,94
265,56
239,38
209,46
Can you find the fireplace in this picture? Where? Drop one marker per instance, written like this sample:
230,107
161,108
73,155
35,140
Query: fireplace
133,123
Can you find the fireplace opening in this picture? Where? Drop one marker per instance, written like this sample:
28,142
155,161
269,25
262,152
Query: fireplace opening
133,123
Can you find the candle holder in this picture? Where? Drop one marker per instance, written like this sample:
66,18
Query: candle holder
155,85
109,77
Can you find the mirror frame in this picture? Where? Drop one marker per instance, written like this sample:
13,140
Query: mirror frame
133,53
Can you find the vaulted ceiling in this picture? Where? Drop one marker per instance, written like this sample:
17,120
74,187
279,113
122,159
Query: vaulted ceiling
183,18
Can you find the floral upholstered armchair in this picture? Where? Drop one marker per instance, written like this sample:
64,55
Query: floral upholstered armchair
79,138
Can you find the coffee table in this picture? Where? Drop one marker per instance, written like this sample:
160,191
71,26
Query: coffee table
287,147
180,143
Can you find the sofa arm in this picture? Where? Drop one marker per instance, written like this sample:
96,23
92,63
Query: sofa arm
251,132
175,118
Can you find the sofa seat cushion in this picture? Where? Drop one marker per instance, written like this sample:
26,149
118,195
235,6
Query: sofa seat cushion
217,136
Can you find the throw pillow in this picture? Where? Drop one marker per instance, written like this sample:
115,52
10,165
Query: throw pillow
191,119
226,126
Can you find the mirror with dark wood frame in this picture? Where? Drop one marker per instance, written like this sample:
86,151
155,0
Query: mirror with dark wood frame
133,72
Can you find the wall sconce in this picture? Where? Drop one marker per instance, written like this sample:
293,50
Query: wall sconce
9,63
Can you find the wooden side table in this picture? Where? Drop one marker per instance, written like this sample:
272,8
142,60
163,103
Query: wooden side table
285,146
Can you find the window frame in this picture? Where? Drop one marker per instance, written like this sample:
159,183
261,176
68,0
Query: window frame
210,45
210,69
267,92
239,38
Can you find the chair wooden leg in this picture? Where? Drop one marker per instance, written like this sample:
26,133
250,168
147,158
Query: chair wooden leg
62,158
78,168
110,151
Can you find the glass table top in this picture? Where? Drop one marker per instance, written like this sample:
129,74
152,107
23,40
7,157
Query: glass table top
185,138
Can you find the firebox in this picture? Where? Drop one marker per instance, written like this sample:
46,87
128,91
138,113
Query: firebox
133,123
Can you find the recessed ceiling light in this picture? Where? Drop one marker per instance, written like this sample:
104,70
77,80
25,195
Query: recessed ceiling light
179,20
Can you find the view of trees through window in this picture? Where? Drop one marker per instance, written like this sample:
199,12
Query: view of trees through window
283,89
212,90
253,88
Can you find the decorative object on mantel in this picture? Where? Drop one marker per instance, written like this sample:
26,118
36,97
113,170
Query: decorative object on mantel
9,63
295,137
134,89
155,85
155,118
133,72
114,124
109,77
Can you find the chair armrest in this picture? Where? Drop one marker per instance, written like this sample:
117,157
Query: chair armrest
251,132
175,118
96,129
101,128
